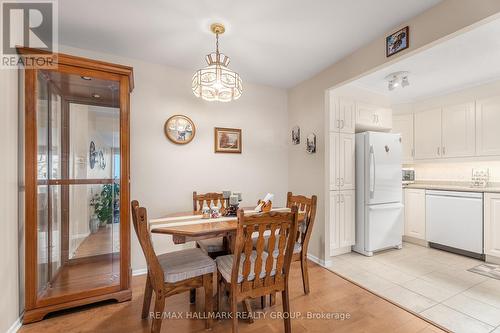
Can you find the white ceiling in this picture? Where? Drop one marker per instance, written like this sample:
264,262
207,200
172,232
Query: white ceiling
469,59
274,42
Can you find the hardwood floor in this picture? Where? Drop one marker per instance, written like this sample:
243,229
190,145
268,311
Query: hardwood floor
329,293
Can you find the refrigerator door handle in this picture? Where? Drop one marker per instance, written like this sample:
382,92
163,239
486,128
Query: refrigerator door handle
372,175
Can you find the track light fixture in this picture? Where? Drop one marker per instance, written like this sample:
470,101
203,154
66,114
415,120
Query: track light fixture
397,79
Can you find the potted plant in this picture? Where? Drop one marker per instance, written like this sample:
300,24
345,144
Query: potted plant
105,203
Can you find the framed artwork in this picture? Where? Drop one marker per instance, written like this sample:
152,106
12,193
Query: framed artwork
296,135
227,140
179,129
311,143
397,41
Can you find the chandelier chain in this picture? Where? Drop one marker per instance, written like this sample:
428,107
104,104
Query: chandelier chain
217,43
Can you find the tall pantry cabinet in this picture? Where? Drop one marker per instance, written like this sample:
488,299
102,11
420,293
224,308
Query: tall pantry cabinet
341,210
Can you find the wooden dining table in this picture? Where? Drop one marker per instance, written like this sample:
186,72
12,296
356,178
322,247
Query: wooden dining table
185,227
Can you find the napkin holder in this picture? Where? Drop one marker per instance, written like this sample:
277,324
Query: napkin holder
266,206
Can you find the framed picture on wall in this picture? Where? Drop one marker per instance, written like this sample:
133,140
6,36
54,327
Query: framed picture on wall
397,41
296,135
311,143
227,140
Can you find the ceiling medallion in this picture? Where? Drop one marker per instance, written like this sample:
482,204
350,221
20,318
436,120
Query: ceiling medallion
217,82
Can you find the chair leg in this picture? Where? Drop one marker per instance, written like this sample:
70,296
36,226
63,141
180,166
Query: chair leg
192,296
263,302
286,310
305,274
248,309
234,312
208,281
158,317
148,292
220,289
272,298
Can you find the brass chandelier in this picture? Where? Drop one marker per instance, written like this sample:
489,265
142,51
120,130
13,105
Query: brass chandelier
217,82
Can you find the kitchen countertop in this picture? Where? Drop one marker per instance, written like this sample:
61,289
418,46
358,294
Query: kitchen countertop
453,186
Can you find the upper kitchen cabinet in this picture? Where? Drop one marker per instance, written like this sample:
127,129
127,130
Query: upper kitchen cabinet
487,126
445,132
403,124
428,134
371,117
342,115
458,130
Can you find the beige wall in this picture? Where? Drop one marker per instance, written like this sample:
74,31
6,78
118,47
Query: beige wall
306,101
9,304
164,174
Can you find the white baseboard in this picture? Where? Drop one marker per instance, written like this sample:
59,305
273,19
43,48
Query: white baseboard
492,260
416,241
318,261
15,326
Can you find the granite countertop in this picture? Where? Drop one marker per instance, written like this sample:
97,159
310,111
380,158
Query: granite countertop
453,186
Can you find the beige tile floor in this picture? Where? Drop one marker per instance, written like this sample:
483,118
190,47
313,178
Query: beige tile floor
430,282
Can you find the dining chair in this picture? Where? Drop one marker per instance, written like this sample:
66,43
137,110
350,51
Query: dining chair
214,247
171,273
251,273
307,206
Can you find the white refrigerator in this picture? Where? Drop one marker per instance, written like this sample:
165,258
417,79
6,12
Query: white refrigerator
379,208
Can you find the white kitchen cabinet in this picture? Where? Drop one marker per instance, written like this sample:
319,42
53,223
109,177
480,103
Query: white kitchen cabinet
333,161
487,126
428,134
347,162
347,211
372,117
492,224
334,220
458,130
414,217
342,219
342,114
403,124
342,161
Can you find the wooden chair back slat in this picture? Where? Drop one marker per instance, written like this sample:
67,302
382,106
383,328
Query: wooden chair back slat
308,206
209,198
271,244
283,228
141,226
257,282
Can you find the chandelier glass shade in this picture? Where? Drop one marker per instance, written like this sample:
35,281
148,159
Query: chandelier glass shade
217,82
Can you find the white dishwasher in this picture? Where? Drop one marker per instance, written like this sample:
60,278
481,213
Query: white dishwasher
454,221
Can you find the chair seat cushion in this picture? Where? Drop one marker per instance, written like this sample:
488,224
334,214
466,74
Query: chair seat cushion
185,264
212,245
296,248
225,266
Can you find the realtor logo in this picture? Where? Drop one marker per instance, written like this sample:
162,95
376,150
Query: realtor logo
31,25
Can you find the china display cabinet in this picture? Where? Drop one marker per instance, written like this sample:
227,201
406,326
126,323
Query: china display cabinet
74,183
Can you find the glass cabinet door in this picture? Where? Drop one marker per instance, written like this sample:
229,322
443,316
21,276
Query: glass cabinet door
78,183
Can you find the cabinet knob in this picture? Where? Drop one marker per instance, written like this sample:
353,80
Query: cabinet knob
439,151
444,150
342,123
